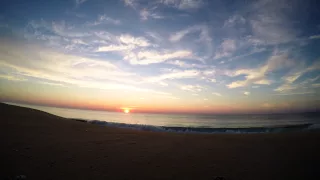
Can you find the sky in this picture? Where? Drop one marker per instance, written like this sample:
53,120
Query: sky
196,56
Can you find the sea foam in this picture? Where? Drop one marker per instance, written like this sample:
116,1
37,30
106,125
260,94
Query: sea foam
274,129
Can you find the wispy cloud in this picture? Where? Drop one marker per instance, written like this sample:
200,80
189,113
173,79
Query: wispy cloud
145,14
150,57
104,19
234,20
184,64
174,74
289,84
136,41
258,75
12,77
202,29
192,88
144,11
79,2
203,36
50,83
314,37
124,42
217,94
113,48
177,4
68,70
57,28
183,4
131,3
316,85
226,49
271,23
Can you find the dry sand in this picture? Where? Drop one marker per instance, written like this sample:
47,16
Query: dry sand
43,146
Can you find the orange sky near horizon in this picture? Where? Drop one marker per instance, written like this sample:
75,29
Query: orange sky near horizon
40,94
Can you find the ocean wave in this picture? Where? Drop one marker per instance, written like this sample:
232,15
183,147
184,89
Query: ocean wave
209,130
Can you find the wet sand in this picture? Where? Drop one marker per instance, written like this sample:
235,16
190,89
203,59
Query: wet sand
38,145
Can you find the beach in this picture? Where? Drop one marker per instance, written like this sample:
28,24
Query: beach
38,145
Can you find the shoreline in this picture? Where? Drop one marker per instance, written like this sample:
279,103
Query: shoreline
39,145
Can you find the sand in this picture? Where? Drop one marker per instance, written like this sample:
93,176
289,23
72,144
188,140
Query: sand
38,145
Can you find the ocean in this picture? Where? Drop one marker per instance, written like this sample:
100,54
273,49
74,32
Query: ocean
188,123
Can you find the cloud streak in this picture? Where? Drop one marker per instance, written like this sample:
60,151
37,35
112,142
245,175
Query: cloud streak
151,57
259,75
68,70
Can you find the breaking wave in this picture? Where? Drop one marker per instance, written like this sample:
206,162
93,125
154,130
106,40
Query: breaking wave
275,129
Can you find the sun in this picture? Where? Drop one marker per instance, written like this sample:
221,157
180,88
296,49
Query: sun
126,111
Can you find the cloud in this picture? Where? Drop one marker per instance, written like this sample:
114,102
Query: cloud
202,29
150,57
258,75
76,14
314,37
155,36
226,49
68,70
12,77
253,51
178,63
77,40
204,37
123,42
234,20
178,4
163,84
63,29
174,74
290,79
136,41
237,84
271,22
192,88
183,64
131,3
183,4
79,2
267,105
145,14
217,94
50,83
209,72
113,48
212,80
57,32
316,85
104,19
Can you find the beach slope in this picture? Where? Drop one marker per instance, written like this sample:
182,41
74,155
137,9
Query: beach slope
39,145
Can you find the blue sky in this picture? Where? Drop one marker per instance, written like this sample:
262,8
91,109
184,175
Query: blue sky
187,55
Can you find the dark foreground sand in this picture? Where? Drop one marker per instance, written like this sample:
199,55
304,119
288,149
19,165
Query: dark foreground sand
42,146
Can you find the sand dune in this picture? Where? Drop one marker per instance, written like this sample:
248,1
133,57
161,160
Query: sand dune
39,145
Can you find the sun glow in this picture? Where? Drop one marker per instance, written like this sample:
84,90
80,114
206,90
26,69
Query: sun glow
126,110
